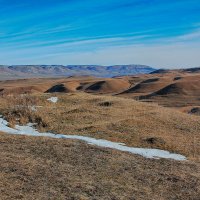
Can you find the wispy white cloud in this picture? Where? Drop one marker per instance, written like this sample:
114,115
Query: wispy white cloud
101,32
156,55
190,36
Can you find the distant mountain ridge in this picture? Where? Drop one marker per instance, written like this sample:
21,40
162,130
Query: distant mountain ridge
186,70
30,71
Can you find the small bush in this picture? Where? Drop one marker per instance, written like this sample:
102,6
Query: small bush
22,109
106,103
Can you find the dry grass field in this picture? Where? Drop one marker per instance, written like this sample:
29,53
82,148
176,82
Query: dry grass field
44,168
113,118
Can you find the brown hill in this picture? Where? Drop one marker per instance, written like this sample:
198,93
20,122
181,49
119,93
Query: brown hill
181,92
192,70
64,87
23,90
147,86
108,86
170,89
181,88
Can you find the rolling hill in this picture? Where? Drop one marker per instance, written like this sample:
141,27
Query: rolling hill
175,88
101,108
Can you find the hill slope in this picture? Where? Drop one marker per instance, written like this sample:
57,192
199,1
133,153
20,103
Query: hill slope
41,168
44,168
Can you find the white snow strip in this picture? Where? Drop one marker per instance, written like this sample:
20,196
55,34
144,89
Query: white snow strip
53,99
147,153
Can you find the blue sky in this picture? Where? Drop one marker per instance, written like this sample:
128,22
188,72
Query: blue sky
160,33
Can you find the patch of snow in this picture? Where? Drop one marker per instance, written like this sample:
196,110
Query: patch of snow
32,108
147,153
53,99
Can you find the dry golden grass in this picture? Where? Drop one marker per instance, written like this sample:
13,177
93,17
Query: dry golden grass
44,168
113,118
49,169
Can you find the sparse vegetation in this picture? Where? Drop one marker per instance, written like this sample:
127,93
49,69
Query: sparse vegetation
126,121
44,168
22,109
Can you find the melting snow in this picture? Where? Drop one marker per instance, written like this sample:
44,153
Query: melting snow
53,99
34,108
148,153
